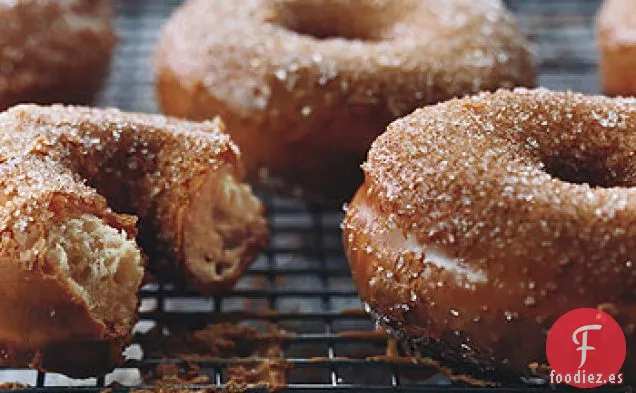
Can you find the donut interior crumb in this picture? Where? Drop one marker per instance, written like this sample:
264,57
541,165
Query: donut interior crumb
101,264
222,215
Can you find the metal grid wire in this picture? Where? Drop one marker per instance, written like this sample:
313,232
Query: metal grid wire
302,281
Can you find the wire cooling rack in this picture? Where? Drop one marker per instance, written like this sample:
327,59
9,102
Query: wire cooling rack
301,284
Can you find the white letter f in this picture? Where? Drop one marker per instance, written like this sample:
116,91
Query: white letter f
584,347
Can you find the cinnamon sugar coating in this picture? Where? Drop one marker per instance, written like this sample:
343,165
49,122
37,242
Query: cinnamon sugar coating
54,50
305,86
482,220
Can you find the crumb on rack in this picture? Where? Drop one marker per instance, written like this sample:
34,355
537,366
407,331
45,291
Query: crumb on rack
259,357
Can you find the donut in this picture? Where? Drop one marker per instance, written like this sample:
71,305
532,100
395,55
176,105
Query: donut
306,85
53,50
70,266
616,31
482,220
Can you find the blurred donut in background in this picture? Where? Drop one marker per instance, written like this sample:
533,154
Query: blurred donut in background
305,86
54,51
616,30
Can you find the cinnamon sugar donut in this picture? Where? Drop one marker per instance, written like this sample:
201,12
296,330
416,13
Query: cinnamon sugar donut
70,267
617,43
305,86
53,50
482,220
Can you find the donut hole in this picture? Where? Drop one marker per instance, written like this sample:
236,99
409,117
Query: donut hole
222,221
591,172
339,19
314,26
102,266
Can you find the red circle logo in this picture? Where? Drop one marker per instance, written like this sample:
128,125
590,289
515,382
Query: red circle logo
586,348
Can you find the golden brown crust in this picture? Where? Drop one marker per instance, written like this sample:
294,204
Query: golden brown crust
53,50
58,162
45,326
305,108
472,233
616,31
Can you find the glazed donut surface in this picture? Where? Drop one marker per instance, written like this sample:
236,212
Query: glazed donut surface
53,50
70,266
482,220
617,43
305,86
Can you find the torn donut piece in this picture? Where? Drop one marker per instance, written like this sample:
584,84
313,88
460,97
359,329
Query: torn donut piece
71,267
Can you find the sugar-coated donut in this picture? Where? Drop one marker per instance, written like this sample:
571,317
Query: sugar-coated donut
70,267
53,50
306,85
482,220
617,43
